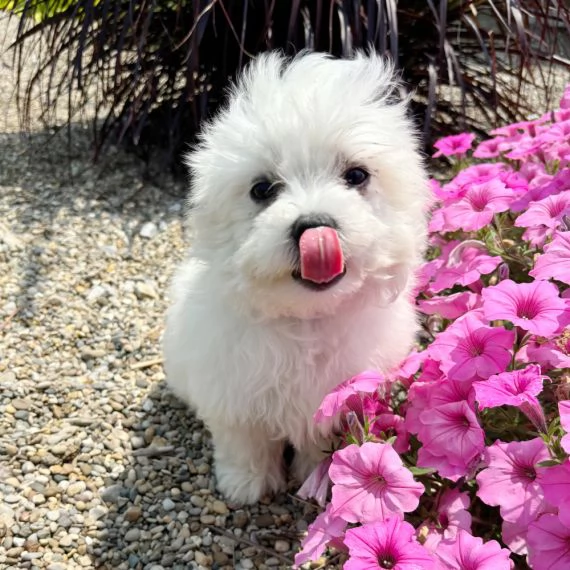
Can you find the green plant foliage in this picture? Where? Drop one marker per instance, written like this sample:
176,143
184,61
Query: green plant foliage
153,69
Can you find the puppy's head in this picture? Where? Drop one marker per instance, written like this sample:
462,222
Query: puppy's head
307,188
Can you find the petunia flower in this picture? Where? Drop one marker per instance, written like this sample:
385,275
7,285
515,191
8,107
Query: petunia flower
324,529
452,439
469,350
549,544
564,411
518,388
555,482
450,306
547,212
390,425
463,265
434,393
454,145
367,382
316,485
554,263
387,544
468,552
490,148
554,353
535,307
477,207
371,483
451,516
510,479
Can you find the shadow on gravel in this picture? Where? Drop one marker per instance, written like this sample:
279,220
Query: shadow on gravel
164,511
50,180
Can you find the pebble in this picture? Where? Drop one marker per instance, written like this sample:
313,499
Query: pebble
132,535
168,504
282,546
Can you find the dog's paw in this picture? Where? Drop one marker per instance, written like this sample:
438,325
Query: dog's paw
247,487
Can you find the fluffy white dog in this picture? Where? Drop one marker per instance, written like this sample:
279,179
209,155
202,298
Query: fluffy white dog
308,199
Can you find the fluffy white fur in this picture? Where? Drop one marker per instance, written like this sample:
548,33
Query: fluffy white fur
250,349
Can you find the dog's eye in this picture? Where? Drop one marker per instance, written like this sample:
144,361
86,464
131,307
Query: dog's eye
263,190
356,176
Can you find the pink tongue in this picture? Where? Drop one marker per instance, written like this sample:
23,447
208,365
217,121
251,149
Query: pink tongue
321,254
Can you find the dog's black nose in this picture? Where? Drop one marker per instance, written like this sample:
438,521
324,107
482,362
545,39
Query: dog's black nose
311,221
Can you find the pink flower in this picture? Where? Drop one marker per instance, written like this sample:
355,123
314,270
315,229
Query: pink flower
450,306
452,515
464,265
547,212
490,148
468,552
535,307
510,388
478,206
555,482
456,144
549,544
555,262
371,483
334,402
554,353
392,425
564,410
452,439
317,483
434,393
386,544
324,529
510,480
469,350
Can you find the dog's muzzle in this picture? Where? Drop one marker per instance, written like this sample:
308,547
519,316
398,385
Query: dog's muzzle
319,251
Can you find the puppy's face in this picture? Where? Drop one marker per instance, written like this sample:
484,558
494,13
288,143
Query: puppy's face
308,189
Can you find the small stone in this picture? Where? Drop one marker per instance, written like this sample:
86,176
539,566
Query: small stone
137,442
21,404
28,467
38,499
145,290
133,514
240,519
76,488
168,504
246,563
65,541
132,535
263,521
221,558
112,494
220,508
207,519
202,558
148,230
282,546
197,500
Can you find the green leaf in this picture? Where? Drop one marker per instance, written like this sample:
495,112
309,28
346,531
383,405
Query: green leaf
419,471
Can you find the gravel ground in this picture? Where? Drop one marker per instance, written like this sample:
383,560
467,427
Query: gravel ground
100,467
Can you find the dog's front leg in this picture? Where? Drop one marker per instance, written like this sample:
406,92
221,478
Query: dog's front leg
248,464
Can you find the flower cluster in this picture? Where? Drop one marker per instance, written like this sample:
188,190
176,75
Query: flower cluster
459,459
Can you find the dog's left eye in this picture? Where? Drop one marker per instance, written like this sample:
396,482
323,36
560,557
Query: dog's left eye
263,190
356,176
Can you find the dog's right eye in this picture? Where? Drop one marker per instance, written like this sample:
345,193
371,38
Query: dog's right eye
263,190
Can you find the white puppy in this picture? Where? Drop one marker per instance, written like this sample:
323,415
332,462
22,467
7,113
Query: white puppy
308,198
